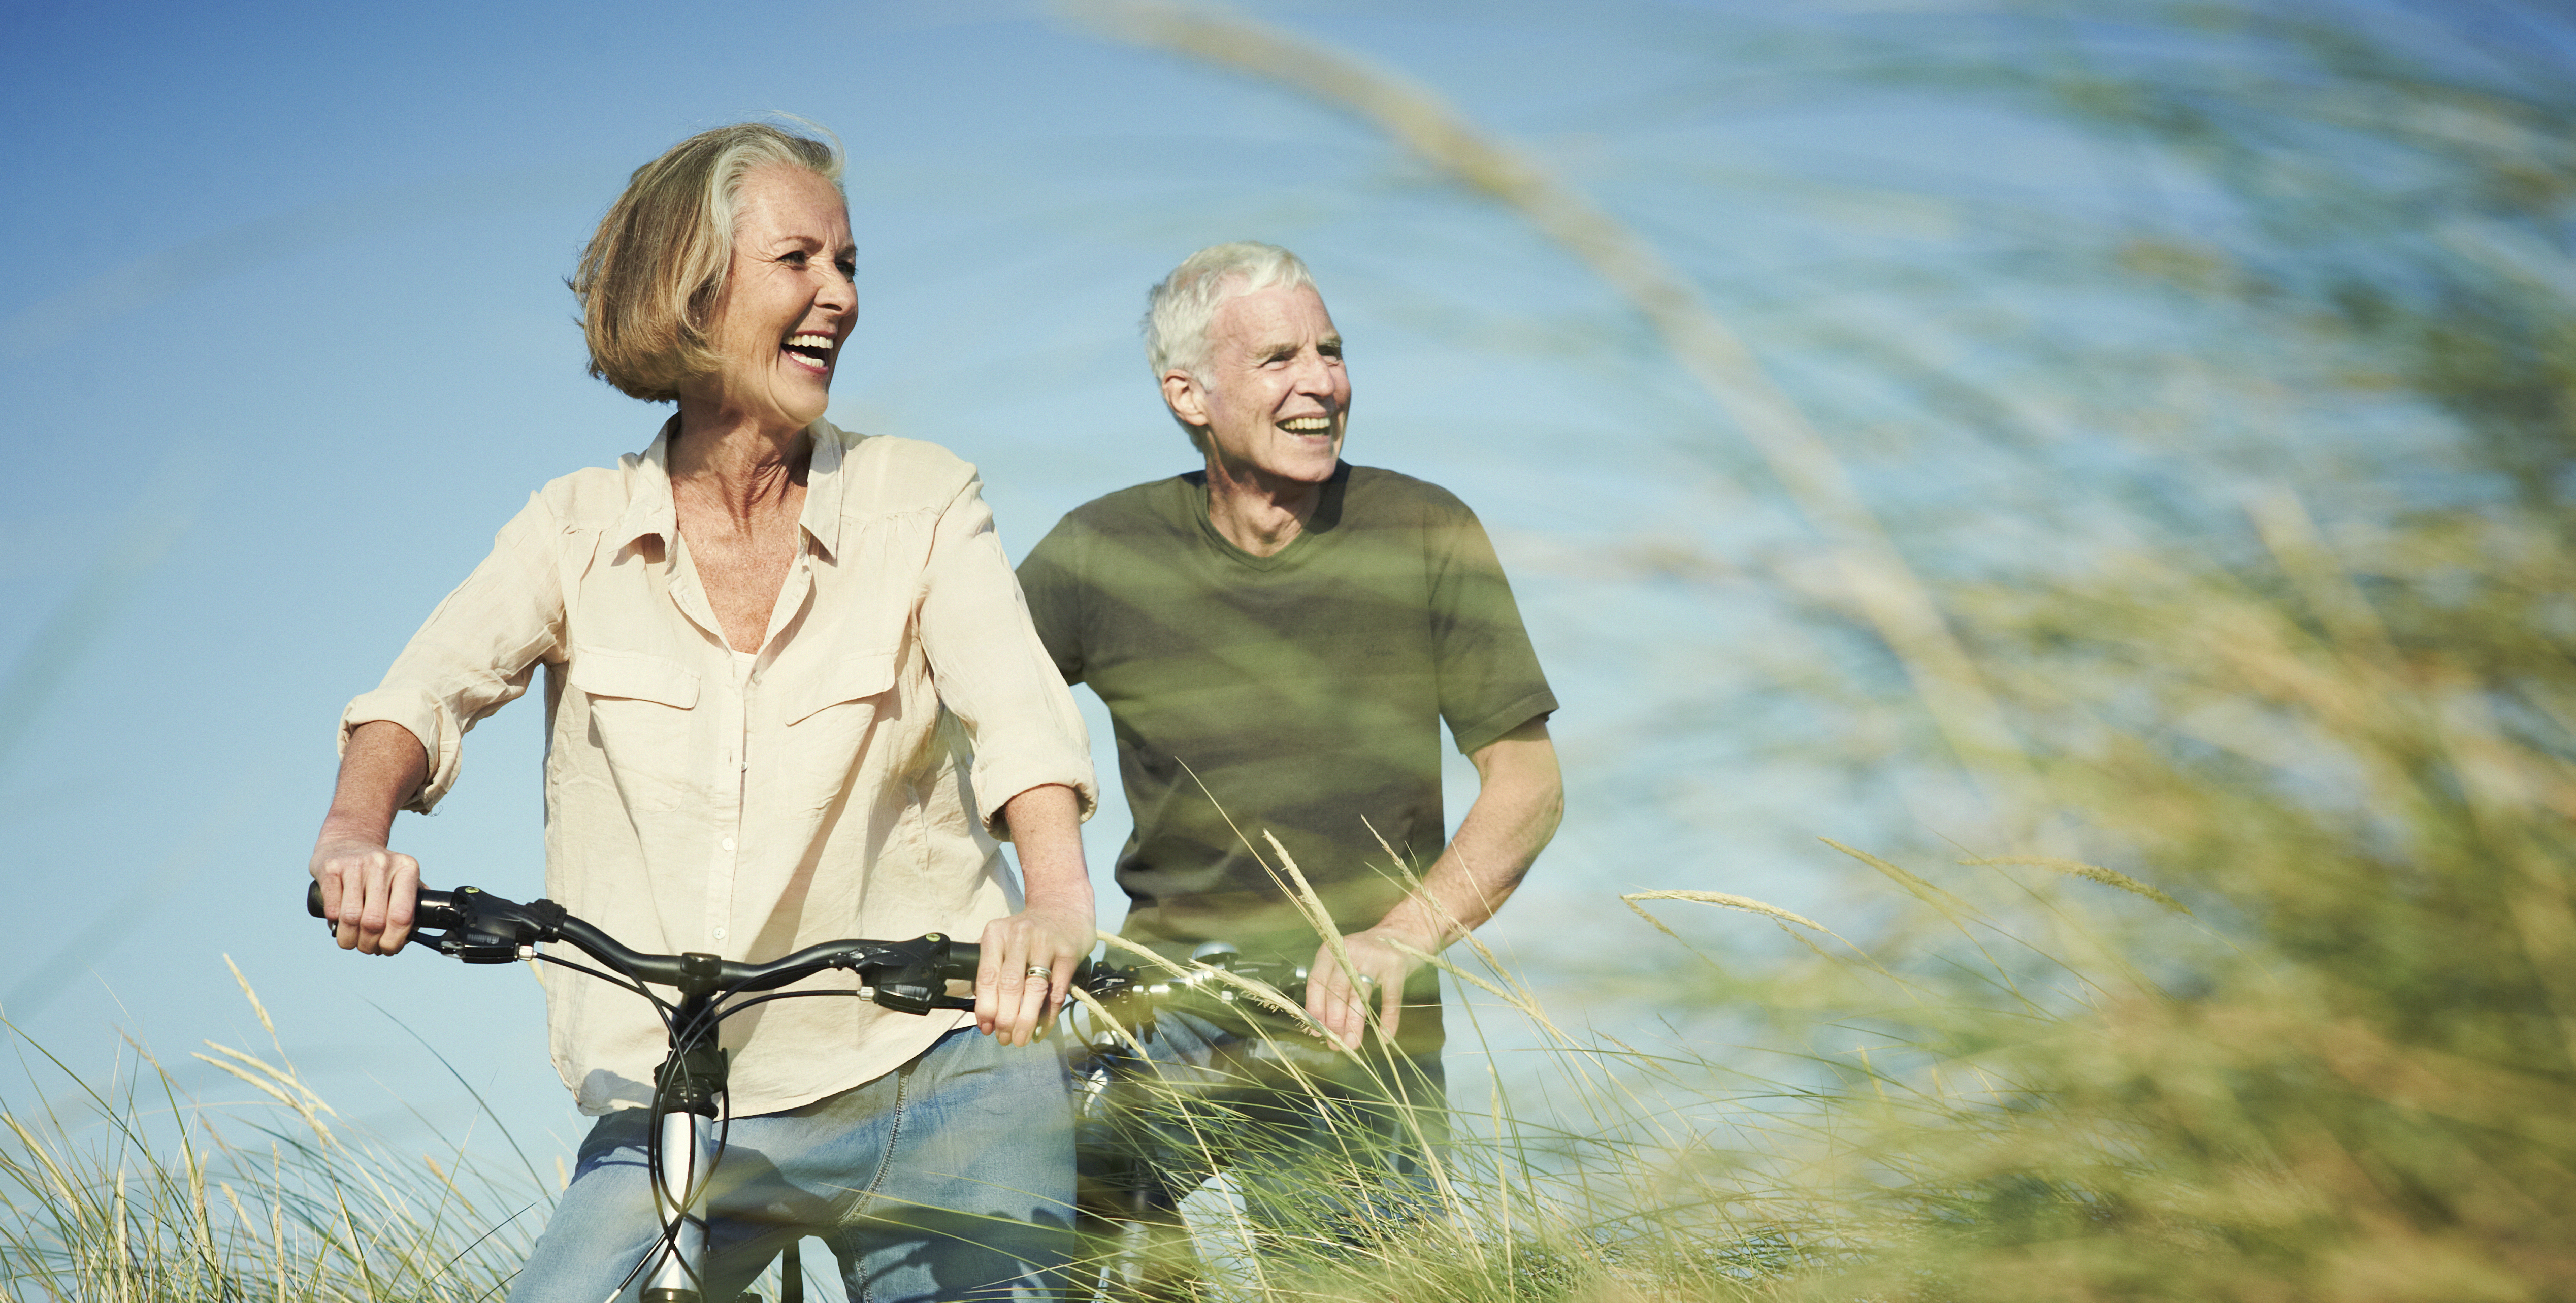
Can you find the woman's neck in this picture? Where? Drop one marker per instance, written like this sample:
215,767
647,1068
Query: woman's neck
737,467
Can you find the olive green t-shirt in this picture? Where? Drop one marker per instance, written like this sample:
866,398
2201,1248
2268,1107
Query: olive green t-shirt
1299,694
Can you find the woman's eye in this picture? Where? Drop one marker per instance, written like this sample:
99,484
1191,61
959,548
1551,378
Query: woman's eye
849,268
796,259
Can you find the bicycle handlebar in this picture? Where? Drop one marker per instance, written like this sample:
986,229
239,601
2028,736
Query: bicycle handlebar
480,928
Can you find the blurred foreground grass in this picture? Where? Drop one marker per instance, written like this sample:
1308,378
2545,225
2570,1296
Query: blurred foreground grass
2259,982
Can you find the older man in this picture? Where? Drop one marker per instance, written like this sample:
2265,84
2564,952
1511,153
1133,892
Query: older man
1279,637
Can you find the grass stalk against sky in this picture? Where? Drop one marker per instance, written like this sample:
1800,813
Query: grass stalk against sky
2219,531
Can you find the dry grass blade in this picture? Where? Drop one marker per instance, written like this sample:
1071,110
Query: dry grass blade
2089,872
1267,995
1950,905
1725,901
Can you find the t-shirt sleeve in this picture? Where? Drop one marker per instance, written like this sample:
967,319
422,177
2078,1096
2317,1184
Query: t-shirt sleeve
1490,681
1050,577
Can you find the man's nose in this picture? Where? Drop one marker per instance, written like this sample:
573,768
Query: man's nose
1313,374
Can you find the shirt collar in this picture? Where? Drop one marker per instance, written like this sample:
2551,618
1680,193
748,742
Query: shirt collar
824,487
649,509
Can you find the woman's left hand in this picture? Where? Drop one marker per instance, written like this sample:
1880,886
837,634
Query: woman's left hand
1029,957
1028,962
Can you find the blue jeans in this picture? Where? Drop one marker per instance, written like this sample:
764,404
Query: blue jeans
1322,1148
948,1178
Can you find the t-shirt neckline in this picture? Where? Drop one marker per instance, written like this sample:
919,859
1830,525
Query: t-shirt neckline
1328,514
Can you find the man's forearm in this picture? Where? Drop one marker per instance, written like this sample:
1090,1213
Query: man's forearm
1519,801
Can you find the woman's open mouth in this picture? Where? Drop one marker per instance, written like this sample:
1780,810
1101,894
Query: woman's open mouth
811,351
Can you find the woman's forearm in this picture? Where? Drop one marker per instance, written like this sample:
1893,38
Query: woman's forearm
367,890
381,769
1046,830
1029,957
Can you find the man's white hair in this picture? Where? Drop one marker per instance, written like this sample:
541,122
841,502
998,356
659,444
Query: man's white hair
1180,306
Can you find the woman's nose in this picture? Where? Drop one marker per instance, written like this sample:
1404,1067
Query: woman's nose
838,294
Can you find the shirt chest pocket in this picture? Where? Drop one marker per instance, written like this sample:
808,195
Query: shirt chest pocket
854,678
832,718
644,721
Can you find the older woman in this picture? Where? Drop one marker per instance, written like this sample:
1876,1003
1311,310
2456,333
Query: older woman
792,695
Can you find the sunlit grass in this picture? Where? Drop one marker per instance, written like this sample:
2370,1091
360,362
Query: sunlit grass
123,1187
2266,989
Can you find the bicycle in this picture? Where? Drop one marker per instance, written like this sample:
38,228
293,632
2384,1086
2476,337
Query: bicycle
478,927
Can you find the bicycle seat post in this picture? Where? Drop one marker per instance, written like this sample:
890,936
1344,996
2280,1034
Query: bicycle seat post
685,1090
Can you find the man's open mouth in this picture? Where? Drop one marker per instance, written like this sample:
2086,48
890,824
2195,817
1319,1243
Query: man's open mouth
1307,425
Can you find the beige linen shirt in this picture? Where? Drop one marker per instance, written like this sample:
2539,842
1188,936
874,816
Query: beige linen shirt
842,786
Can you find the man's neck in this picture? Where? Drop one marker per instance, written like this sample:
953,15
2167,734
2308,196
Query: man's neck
1262,514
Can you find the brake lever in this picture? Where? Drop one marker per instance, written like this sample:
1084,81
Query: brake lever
913,977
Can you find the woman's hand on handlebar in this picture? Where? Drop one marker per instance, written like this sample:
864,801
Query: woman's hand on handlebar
1011,1002
1053,933
368,893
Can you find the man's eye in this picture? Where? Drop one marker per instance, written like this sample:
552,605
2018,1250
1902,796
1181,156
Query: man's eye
849,268
796,259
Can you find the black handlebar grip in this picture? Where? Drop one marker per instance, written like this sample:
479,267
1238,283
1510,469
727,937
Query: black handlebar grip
435,909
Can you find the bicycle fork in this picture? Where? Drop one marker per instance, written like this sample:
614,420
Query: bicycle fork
687,1153
685,1090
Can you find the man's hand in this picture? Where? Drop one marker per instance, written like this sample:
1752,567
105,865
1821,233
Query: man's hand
367,892
1519,798
1339,998
1012,1002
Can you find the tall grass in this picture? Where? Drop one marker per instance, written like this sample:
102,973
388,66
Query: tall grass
125,1188
2263,987
2277,1049
2266,987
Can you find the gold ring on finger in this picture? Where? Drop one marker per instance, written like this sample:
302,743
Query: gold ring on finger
1040,970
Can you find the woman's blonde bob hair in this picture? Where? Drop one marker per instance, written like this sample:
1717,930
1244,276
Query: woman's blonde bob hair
651,273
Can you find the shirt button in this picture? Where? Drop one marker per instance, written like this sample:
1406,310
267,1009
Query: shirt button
728,843
719,934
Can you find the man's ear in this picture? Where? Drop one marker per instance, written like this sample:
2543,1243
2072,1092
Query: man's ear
1182,394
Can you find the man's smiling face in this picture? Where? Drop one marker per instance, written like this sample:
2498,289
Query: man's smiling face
1272,395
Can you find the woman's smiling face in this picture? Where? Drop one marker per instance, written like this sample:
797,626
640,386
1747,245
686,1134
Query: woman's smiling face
787,302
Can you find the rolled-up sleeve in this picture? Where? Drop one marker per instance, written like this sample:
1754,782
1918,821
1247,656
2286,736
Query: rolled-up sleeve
991,670
477,651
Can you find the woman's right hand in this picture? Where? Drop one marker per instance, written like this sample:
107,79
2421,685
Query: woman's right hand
367,893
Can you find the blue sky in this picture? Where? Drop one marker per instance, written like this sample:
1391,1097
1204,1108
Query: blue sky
284,339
